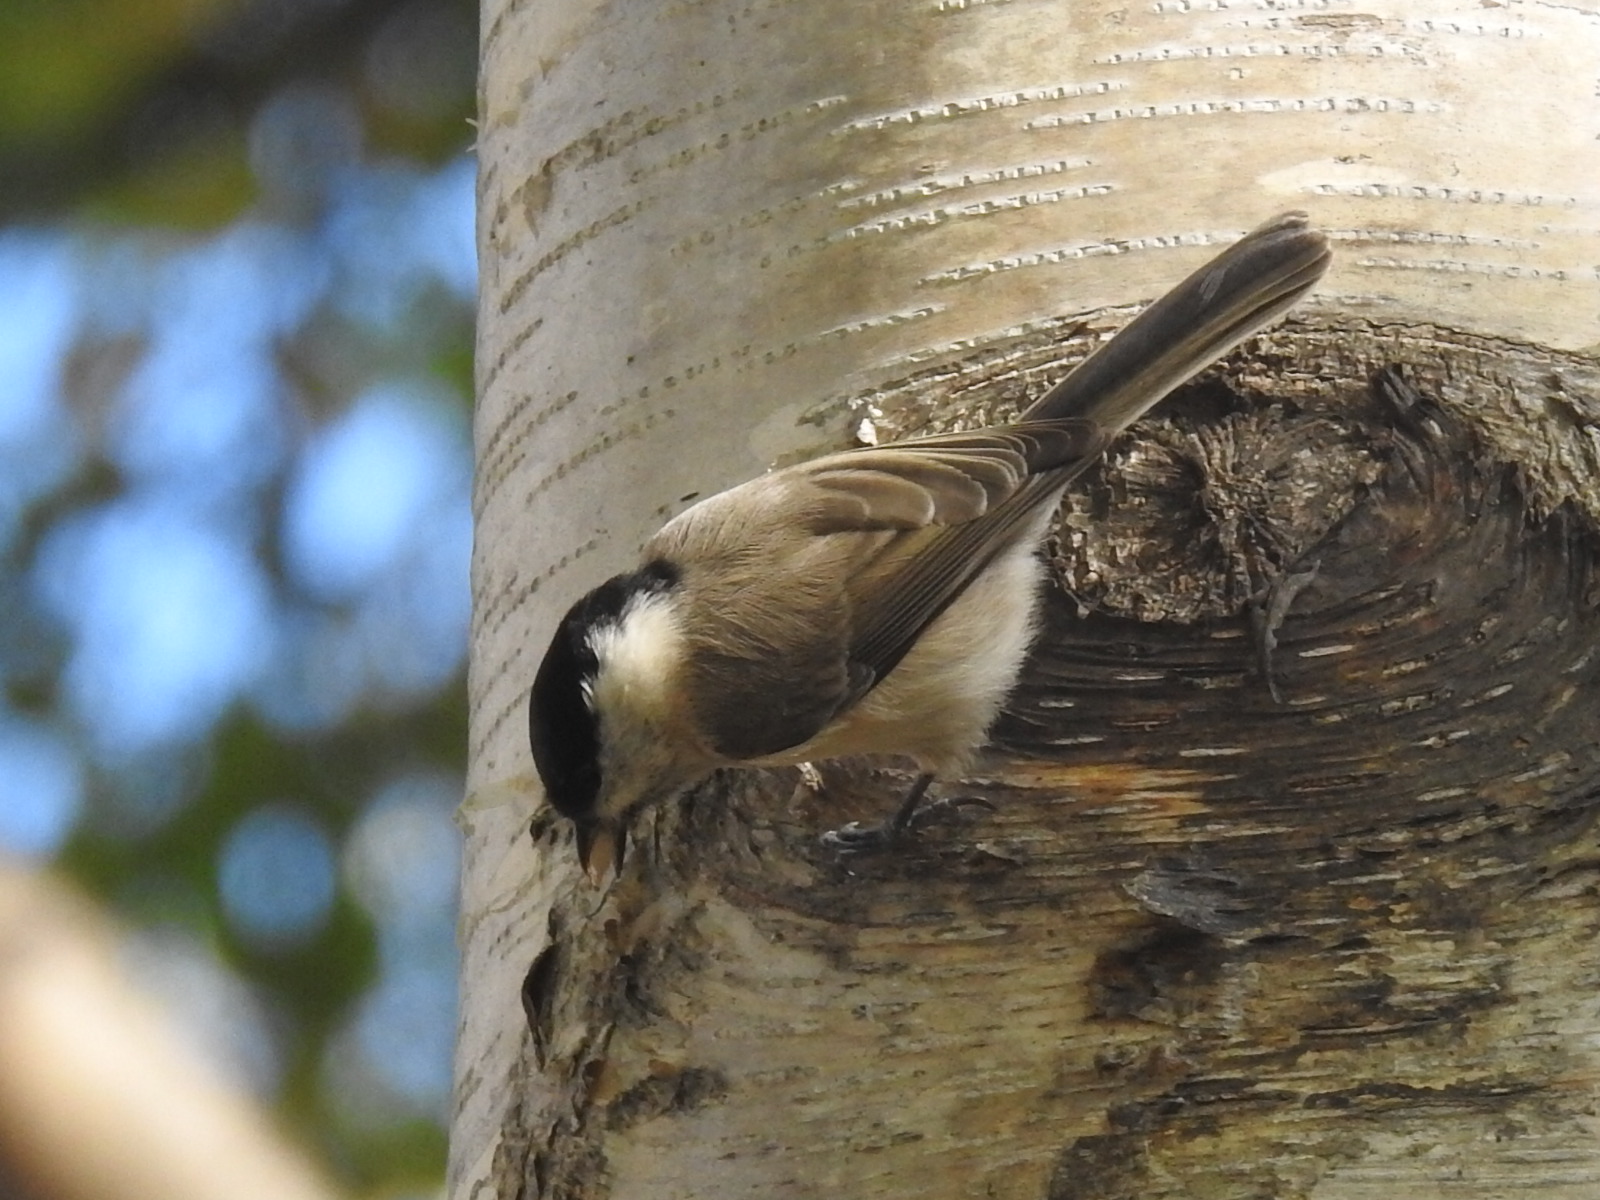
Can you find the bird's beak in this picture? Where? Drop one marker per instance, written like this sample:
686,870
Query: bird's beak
600,848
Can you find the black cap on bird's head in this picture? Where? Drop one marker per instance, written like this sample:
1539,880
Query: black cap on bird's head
564,728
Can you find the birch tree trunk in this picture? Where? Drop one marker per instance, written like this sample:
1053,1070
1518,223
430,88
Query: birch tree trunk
1291,884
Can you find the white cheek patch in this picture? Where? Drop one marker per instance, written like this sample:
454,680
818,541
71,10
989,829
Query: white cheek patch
638,657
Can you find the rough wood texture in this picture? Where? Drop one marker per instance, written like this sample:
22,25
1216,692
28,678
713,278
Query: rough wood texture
1206,943
1150,971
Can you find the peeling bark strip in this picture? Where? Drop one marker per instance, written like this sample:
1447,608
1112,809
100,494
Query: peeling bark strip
1207,943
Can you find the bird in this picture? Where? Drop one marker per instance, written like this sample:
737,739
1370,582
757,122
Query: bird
878,601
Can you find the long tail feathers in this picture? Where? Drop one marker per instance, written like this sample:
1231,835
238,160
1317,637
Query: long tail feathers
1244,288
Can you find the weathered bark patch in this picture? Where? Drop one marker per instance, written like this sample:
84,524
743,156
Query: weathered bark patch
1291,884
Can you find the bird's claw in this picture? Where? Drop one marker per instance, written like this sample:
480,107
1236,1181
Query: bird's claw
858,838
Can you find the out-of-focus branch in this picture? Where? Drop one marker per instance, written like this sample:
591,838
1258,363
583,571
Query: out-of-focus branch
99,1097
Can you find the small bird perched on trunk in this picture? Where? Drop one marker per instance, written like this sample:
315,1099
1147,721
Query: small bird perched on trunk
878,601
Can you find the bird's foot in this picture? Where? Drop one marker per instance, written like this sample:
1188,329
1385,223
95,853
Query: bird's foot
912,816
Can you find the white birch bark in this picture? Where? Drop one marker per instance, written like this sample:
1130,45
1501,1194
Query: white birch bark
711,232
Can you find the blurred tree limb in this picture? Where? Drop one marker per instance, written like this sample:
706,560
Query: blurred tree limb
99,1098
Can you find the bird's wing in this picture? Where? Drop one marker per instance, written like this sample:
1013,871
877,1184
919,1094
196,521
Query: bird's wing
949,479
957,499
817,579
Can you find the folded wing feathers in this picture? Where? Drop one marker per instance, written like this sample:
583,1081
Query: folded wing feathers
944,480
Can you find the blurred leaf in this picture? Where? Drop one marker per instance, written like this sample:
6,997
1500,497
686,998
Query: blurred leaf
64,61
197,186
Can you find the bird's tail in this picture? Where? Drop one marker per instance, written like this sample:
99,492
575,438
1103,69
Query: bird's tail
1248,285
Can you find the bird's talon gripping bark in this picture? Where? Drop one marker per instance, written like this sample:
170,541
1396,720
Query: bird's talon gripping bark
909,818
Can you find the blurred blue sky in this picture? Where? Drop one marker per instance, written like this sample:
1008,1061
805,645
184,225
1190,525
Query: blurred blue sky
231,476
161,589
